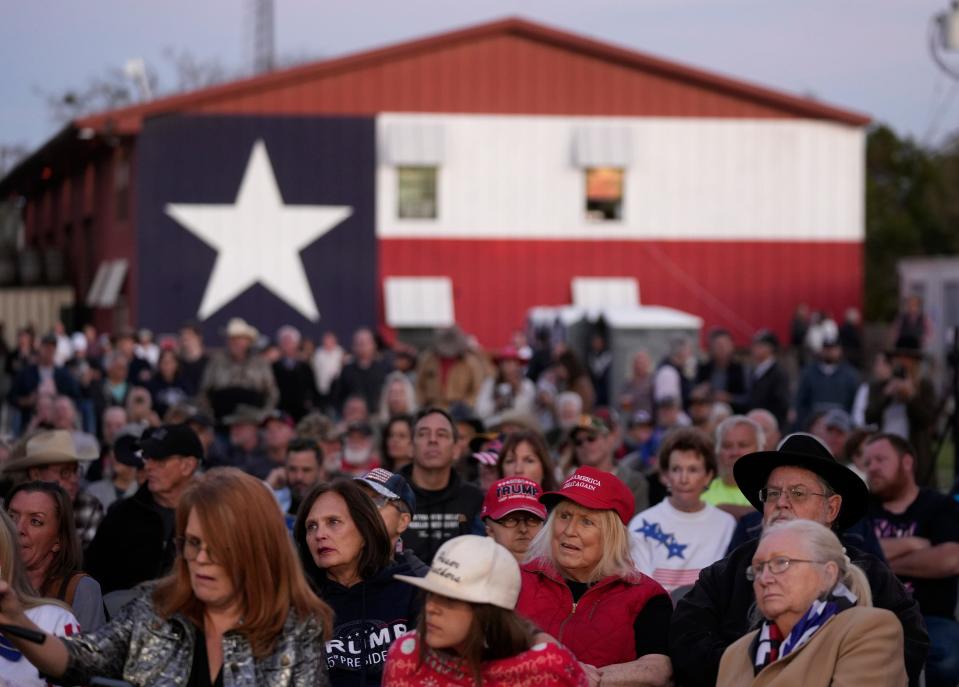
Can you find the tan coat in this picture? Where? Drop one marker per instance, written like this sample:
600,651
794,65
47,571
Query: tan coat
463,380
859,646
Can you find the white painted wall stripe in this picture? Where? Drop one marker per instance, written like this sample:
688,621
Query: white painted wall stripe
515,177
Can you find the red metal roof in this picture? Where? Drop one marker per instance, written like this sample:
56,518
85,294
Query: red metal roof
427,75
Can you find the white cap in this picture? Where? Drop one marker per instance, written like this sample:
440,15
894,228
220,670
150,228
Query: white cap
474,569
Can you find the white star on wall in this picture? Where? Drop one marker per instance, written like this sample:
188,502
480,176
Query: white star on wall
258,239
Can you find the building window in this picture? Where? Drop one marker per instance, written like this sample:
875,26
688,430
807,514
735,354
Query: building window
604,193
417,192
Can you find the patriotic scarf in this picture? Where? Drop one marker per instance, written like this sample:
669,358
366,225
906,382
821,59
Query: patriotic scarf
770,645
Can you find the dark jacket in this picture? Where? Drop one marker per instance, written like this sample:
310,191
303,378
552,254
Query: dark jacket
715,613
369,617
297,386
130,546
771,392
361,381
441,515
821,391
28,380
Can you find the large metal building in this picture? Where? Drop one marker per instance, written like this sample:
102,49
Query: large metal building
470,176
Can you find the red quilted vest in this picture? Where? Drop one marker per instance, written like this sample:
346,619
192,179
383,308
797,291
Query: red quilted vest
599,628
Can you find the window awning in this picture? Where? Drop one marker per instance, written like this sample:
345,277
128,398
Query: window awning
419,302
413,143
107,283
602,146
604,292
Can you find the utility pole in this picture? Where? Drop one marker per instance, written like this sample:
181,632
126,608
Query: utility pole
262,36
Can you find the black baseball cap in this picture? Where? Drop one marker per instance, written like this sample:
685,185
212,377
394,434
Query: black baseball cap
172,440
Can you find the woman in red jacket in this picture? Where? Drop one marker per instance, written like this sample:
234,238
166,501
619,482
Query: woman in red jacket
468,634
580,584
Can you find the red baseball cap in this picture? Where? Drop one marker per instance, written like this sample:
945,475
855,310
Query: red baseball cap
512,494
596,489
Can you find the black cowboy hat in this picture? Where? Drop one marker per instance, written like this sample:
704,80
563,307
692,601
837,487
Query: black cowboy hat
804,451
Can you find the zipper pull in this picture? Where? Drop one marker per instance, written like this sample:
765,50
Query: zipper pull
574,607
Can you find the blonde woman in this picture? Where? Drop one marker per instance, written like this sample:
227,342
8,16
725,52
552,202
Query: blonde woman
581,587
818,625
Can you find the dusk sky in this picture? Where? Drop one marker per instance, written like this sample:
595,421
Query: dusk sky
871,57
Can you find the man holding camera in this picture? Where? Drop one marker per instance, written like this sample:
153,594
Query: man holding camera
902,401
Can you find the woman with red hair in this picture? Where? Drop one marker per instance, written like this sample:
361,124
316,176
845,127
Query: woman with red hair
235,610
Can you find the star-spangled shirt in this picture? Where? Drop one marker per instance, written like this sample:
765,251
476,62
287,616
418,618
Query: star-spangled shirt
672,546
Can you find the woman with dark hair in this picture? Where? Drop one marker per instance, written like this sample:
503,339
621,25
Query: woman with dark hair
235,610
524,454
43,517
396,446
167,386
50,615
348,556
469,634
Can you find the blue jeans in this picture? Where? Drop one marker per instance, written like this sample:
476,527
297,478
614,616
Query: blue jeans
942,667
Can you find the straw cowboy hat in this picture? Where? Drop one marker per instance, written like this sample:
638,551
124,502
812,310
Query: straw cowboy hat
237,326
46,448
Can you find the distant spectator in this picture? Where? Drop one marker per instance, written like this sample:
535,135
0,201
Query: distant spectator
735,437
327,364
193,357
398,397
573,376
771,431
42,377
237,376
599,362
364,374
508,389
903,401
912,323
637,393
396,448
294,377
850,336
722,376
167,387
829,382
449,371
359,453
671,380
139,370
769,383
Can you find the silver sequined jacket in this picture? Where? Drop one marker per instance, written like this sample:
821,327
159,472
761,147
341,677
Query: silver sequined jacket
144,649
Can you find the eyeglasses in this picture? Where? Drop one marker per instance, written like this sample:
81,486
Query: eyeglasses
794,495
777,566
513,521
588,439
190,547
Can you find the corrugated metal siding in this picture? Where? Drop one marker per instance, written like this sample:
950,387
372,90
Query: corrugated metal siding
742,286
713,179
502,74
36,307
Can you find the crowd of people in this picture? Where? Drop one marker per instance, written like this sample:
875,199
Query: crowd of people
277,512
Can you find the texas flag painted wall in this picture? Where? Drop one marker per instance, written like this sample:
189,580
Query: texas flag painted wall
266,218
